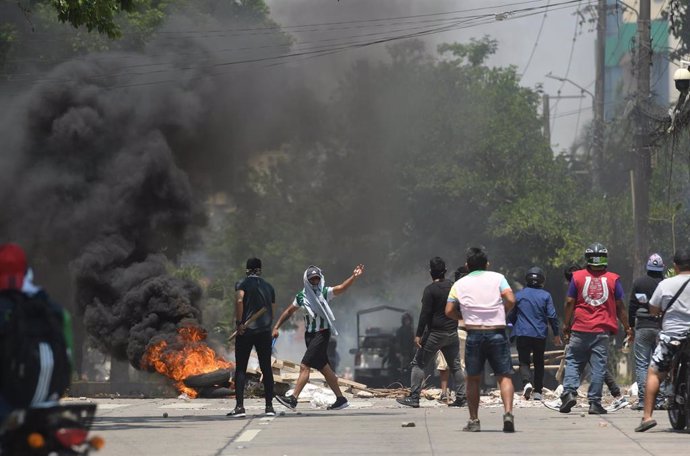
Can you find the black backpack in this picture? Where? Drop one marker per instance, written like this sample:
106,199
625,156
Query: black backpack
35,362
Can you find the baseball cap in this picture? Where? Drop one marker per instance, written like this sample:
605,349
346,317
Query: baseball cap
655,263
313,271
12,266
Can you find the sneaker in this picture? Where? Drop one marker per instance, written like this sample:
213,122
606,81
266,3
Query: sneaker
537,397
238,412
288,401
595,408
527,392
443,398
339,404
408,401
269,411
568,401
618,404
458,402
472,426
553,405
638,406
508,422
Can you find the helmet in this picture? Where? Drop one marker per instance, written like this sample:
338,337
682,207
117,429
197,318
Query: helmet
596,255
535,277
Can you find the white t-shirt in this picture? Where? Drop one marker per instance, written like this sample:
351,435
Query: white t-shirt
677,320
479,296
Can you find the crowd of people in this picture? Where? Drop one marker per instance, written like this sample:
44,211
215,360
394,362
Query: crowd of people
484,306
463,325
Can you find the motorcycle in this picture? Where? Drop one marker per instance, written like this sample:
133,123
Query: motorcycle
679,400
52,430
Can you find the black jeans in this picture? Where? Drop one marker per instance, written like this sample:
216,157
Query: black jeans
243,347
531,347
449,344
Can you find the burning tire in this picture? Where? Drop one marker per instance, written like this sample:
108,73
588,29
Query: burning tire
212,392
220,377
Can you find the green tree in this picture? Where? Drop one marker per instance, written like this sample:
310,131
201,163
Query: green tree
419,156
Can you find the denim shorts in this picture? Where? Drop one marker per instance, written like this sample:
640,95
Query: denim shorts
487,345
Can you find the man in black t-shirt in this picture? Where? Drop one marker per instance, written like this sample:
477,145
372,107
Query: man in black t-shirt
435,332
253,294
647,326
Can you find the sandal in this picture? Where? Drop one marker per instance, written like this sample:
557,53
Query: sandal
645,425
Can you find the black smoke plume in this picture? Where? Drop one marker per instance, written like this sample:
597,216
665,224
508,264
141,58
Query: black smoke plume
95,185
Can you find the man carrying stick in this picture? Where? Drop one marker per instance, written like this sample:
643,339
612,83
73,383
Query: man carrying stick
255,299
318,319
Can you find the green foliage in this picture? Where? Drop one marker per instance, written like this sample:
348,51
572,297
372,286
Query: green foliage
676,12
52,31
93,14
476,52
8,36
422,156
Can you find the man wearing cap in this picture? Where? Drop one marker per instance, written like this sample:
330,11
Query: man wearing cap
319,322
646,325
671,301
253,294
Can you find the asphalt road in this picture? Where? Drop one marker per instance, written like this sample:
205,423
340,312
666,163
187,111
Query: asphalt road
172,427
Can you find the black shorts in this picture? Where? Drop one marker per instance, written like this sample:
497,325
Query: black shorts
316,355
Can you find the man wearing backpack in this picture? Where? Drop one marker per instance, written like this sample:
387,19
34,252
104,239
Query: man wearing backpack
35,338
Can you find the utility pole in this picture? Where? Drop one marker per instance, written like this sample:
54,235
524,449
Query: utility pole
546,114
642,168
600,62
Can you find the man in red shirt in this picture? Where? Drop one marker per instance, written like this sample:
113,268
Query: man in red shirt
594,304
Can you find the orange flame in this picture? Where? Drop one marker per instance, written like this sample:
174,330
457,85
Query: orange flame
190,356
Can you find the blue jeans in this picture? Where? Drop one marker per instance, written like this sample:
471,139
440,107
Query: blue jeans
645,342
584,348
488,345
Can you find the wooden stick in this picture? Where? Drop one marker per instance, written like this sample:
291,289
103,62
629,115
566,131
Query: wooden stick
561,368
249,321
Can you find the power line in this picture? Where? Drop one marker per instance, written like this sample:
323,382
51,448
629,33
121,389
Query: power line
567,69
283,58
329,26
536,41
337,41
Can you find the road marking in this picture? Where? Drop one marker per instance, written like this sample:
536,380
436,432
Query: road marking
111,406
247,436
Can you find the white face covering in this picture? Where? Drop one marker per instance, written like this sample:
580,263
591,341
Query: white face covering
315,302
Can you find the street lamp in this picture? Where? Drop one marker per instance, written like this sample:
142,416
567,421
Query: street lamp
597,143
582,89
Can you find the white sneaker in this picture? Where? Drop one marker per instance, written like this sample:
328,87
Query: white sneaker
553,405
536,397
618,404
527,391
